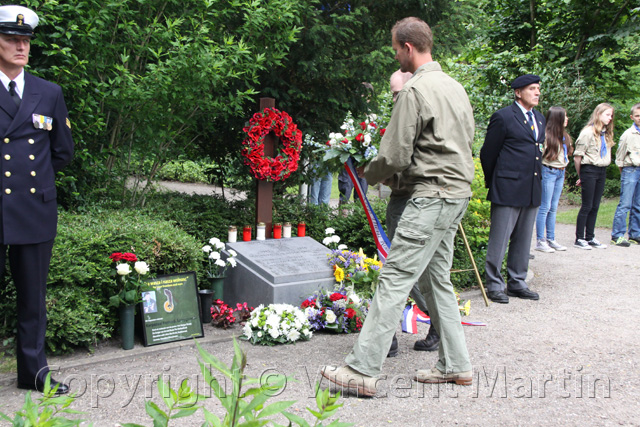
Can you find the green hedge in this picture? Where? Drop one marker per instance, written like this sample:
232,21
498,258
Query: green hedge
80,282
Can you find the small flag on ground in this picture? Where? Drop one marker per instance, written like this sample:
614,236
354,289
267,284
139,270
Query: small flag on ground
412,315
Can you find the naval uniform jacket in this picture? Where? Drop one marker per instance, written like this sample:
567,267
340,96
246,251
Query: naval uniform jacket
30,155
511,158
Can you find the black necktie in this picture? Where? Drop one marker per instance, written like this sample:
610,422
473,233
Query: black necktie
13,93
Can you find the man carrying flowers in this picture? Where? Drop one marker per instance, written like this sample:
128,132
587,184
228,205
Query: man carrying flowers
427,148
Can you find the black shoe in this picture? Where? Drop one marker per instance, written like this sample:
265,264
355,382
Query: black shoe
38,385
498,296
393,351
524,294
531,256
430,343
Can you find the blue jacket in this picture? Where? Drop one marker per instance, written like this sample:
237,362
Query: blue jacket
511,158
35,143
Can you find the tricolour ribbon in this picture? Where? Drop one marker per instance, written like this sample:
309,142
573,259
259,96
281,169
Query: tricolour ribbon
379,236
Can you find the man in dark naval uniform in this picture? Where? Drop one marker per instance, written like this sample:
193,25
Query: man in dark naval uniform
35,143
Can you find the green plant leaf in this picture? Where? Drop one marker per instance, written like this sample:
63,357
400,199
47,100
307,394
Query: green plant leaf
164,389
275,408
296,419
157,415
211,418
210,359
184,413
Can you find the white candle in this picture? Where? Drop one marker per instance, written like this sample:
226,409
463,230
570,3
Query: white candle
286,230
233,234
260,231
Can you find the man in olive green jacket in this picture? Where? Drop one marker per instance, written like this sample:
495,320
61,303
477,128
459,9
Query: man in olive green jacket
427,148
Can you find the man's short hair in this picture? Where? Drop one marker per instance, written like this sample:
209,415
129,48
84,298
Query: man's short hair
634,108
414,31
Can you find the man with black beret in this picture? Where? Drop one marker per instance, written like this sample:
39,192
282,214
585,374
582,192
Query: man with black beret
35,135
511,159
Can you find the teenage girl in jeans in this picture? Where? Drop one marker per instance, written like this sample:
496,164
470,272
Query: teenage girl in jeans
592,156
557,149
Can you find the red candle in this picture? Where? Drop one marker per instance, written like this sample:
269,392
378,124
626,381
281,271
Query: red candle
277,231
302,229
246,233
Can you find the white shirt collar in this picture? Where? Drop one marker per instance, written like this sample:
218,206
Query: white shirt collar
19,82
524,110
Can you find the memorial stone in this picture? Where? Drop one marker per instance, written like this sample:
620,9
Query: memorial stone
277,271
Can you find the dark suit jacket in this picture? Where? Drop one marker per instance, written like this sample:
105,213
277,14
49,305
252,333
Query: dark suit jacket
511,158
30,157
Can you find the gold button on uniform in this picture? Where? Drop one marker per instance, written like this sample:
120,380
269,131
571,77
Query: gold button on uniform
7,174
6,140
535,173
8,191
33,190
31,141
32,157
7,157
33,173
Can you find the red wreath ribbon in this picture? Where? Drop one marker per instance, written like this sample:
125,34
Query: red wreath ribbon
286,160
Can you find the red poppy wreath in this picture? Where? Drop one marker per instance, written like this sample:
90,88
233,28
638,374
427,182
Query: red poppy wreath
288,155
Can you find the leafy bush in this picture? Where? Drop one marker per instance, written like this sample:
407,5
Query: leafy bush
75,318
185,171
476,224
80,281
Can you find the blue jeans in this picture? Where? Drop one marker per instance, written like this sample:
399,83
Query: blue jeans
629,201
320,190
552,182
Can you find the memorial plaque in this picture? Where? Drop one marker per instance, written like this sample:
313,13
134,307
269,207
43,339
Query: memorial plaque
277,271
171,310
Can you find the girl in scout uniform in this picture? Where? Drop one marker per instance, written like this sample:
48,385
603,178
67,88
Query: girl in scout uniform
557,149
592,155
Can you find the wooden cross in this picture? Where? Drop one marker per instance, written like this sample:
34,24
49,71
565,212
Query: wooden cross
264,194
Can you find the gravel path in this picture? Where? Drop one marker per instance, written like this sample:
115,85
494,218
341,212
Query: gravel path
569,359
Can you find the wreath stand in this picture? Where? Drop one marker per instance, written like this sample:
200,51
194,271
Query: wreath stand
264,191
473,264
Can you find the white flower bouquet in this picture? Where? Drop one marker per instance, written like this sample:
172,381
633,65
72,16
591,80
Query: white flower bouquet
216,266
277,324
359,140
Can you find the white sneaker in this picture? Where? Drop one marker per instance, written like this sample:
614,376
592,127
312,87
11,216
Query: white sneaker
542,246
555,245
582,244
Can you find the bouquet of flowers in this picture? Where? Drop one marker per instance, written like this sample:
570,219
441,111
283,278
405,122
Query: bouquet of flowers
223,316
359,140
216,266
340,311
130,285
356,268
277,324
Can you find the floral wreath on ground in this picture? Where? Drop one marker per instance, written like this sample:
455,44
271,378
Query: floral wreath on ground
339,311
277,324
286,161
